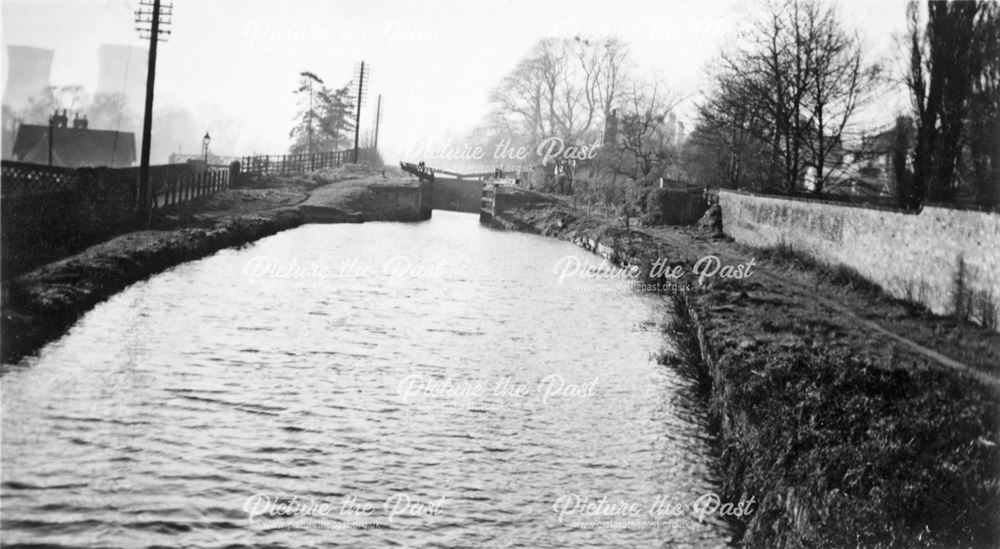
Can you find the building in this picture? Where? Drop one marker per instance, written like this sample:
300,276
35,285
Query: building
73,147
28,71
121,70
868,169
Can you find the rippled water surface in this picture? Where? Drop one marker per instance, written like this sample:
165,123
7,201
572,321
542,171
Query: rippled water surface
463,402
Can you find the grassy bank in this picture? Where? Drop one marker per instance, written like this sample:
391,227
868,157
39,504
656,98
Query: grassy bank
844,438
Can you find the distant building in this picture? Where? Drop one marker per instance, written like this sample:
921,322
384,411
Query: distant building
27,75
73,147
9,129
868,167
122,70
861,168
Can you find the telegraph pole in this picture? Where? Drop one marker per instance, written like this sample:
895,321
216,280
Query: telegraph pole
357,117
310,128
378,119
149,13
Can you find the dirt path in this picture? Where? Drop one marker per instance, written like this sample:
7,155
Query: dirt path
828,307
879,313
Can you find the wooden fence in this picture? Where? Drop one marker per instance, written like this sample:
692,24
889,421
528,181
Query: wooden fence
113,188
172,184
293,163
47,212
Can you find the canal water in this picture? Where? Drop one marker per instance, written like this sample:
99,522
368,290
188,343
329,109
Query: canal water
434,384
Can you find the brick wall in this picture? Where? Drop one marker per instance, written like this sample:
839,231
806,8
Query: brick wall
946,259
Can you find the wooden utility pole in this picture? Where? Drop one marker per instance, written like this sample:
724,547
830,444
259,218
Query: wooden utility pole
310,128
378,119
151,17
357,118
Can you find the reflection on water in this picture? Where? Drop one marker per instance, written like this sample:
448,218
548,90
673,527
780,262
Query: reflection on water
459,397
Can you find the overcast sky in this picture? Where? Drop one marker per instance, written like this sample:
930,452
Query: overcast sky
434,61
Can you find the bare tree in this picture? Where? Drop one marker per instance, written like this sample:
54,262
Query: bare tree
734,139
837,81
51,98
646,133
564,88
110,111
793,84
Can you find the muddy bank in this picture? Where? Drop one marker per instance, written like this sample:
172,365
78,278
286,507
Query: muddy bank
844,437
41,304
377,198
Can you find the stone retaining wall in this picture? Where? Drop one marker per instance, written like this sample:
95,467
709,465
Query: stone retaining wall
945,259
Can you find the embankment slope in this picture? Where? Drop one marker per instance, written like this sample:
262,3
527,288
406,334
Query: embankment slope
845,437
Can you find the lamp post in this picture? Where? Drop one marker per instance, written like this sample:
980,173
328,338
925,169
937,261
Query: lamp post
204,146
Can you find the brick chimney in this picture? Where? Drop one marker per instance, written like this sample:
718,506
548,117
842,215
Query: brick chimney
79,123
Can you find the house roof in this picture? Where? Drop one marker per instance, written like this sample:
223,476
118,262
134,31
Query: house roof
73,147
